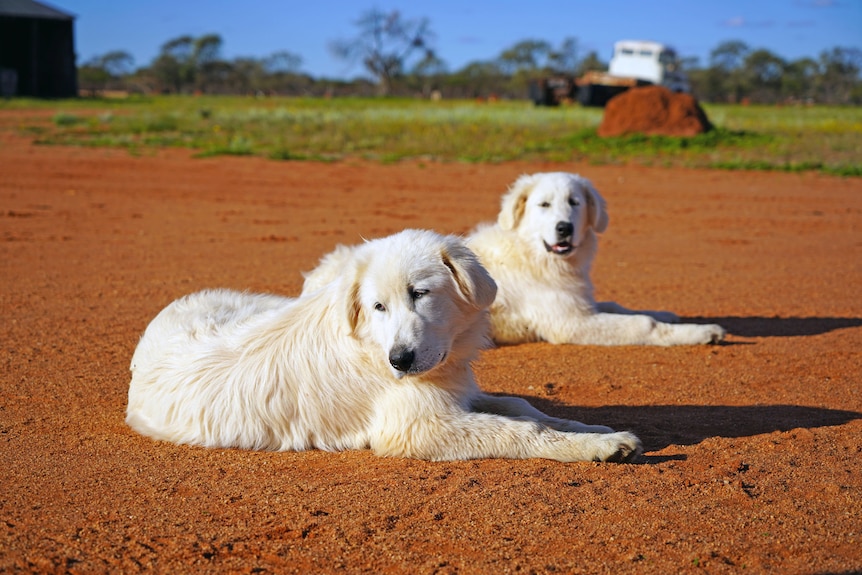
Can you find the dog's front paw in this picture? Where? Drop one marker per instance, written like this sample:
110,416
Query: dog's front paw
620,447
713,333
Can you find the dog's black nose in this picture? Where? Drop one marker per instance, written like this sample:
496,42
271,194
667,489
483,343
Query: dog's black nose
401,358
564,229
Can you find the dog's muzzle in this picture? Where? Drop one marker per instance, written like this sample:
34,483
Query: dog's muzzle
564,245
402,359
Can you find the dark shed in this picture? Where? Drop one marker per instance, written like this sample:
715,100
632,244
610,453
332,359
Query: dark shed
37,50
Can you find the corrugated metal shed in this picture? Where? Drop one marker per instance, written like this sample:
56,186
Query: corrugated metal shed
31,9
37,50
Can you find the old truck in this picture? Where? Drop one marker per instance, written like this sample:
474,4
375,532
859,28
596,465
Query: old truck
634,63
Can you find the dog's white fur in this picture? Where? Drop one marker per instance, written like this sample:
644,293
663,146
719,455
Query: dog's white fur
543,275
377,357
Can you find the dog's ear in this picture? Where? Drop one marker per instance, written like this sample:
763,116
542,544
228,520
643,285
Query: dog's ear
473,280
353,307
597,209
514,202
351,304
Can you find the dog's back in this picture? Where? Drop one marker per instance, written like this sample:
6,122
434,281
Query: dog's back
191,323
184,351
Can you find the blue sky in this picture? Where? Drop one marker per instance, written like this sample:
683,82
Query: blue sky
465,30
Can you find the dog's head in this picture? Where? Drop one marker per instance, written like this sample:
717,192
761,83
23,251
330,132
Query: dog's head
415,294
553,211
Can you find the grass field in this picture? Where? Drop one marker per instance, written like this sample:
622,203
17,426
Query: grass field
826,139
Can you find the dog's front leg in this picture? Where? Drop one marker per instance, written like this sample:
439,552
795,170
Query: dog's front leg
614,307
620,329
470,435
517,407
456,434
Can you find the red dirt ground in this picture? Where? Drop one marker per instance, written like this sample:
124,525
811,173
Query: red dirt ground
752,447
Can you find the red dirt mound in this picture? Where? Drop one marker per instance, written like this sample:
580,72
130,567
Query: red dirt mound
653,110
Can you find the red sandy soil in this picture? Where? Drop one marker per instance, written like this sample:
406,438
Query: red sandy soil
752,447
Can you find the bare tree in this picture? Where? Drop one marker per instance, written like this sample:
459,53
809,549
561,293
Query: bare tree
383,44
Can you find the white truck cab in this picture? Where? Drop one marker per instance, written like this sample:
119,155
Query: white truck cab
649,61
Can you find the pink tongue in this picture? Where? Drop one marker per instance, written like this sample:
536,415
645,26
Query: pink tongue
560,247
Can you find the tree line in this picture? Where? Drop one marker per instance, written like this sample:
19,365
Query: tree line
399,57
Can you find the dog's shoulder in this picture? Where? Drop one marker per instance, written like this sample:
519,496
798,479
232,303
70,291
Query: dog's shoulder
489,240
498,249
328,269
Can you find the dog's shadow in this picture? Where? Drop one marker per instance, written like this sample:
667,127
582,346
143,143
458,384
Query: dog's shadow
659,426
778,326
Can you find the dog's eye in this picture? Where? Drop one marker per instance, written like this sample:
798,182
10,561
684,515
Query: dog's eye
574,202
418,293
545,205
379,307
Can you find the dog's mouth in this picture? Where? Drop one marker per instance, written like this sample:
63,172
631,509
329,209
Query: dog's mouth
560,248
419,370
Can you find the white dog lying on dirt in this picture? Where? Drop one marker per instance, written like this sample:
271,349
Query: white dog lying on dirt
540,252
377,356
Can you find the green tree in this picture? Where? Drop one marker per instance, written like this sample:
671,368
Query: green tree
186,62
525,56
798,80
246,75
564,60
838,82
591,63
116,63
727,61
729,55
524,61
97,73
208,69
427,72
477,79
281,73
763,72
282,62
173,68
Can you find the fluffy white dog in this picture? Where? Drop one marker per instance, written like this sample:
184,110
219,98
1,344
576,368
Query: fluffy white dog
376,356
540,252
